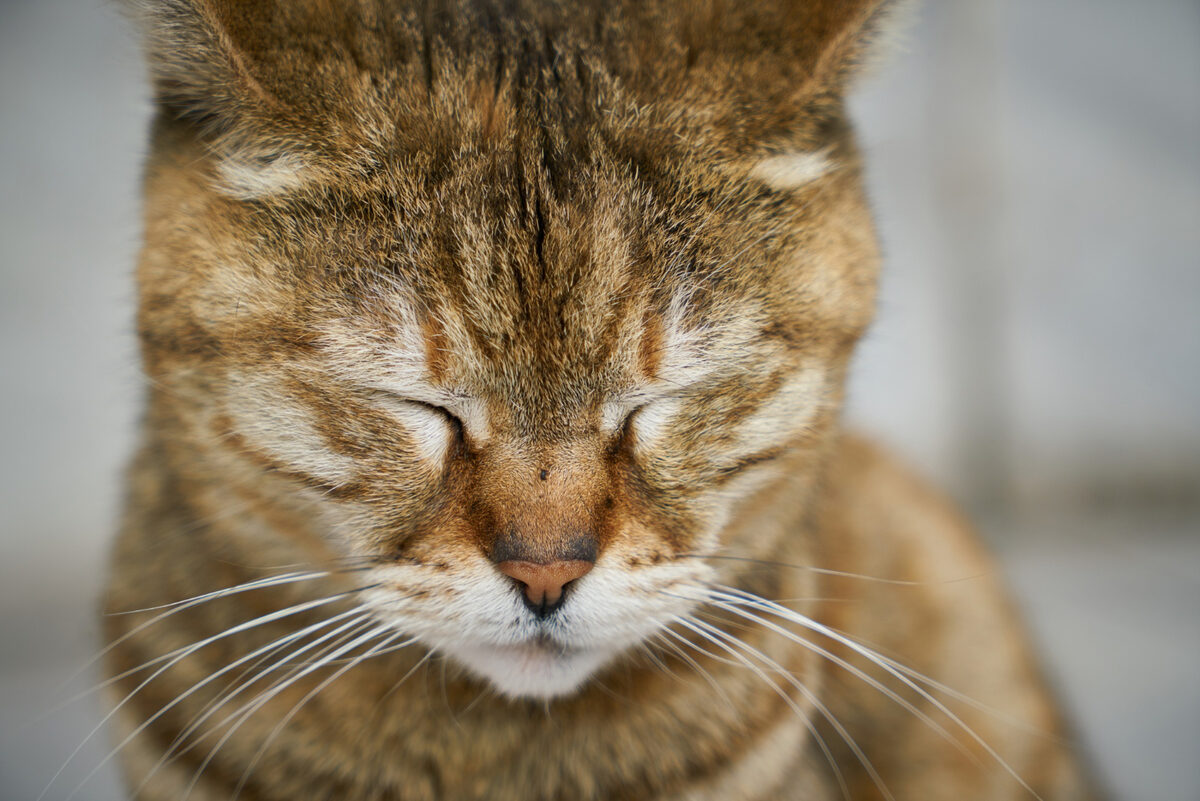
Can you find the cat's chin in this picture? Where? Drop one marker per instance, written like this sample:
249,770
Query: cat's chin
531,670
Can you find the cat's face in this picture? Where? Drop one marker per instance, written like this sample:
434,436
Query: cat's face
532,371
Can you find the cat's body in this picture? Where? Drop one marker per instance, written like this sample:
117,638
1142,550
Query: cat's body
522,328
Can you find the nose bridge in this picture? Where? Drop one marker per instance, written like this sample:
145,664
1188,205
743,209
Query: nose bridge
542,502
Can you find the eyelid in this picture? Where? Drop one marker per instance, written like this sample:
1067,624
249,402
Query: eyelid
614,414
393,397
433,407
622,408
623,430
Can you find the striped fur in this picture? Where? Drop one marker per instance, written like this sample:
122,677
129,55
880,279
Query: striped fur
426,284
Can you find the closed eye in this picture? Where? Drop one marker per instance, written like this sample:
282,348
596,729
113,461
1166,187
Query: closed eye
626,429
455,423
643,424
616,419
434,427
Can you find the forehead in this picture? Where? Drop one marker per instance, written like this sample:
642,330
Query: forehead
545,305
509,262
534,338
537,221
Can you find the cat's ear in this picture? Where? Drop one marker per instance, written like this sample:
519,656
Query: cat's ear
754,68
265,81
819,45
200,54
836,41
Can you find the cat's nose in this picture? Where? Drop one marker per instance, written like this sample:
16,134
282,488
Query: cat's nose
544,583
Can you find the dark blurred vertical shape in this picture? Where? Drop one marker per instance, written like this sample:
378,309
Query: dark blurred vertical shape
964,109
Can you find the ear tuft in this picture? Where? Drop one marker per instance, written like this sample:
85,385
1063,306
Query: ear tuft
855,37
882,35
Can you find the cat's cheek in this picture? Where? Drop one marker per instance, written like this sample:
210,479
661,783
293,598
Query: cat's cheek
260,420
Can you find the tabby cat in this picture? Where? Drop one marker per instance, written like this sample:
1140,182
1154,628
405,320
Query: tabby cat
491,451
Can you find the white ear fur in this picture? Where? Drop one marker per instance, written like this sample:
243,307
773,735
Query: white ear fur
792,170
254,178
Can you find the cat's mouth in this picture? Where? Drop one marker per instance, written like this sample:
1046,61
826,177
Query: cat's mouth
540,649
544,643
486,627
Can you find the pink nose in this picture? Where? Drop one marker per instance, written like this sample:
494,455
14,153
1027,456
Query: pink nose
544,583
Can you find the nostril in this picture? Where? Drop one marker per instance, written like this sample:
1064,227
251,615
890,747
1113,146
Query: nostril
544,583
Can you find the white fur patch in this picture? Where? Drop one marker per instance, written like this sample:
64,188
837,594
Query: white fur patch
475,615
653,420
790,409
613,414
793,170
474,416
683,358
268,419
252,178
530,670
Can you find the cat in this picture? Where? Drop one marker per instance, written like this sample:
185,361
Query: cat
492,449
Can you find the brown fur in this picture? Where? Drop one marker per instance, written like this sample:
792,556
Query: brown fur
631,348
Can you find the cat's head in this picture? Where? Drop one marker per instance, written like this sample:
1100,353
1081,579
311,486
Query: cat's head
525,303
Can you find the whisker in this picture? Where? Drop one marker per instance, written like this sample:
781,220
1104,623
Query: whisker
187,651
646,650
173,607
213,706
374,651
699,629
686,657
842,663
286,578
859,674
150,662
265,697
485,690
428,655
961,697
338,637
393,649
824,571
912,673
734,595
847,738
247,676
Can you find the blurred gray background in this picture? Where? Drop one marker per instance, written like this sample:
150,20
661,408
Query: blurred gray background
1035,166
